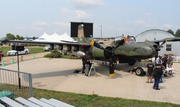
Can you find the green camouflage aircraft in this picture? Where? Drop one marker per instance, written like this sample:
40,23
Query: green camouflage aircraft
124,50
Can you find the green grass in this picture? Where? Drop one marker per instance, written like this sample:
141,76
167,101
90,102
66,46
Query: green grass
82,100
32,49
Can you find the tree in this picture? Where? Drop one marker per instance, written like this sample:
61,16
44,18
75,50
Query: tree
21,38
17,37
170,31
34,38
10,36
177,34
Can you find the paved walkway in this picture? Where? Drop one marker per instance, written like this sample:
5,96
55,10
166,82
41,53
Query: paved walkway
57,74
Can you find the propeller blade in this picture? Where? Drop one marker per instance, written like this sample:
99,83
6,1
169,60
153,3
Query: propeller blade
120,42
93,43
111,68
111,53
163,43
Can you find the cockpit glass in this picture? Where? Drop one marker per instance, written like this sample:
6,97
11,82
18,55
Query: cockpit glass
131,40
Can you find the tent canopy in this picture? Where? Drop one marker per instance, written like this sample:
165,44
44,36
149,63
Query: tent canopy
55,37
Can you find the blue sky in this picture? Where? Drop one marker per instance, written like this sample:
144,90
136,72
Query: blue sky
129,17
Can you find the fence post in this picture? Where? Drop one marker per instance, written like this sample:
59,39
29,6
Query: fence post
30,86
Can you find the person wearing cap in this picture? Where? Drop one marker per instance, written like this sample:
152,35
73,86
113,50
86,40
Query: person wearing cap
150,67
157,73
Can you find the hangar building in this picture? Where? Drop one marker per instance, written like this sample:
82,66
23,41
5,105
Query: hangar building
158,34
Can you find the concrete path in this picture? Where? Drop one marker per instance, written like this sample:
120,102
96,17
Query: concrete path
57,74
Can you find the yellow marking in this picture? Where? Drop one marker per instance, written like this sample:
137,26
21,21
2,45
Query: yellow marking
125,39
92,42
111,75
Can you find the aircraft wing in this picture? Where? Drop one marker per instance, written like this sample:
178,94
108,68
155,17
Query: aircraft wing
46,42
173,39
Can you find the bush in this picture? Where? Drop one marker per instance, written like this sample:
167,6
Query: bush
54,54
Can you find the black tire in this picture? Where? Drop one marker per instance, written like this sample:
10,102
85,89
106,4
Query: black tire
16,54
139,71
26,52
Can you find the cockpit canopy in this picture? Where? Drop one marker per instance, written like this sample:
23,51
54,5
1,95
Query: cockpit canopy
129,39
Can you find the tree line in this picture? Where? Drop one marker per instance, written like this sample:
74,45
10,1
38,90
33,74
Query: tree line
177,34
17,37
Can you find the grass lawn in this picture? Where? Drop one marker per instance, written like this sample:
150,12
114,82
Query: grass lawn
82,100
32,49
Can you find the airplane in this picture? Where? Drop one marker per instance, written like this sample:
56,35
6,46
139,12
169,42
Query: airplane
123,50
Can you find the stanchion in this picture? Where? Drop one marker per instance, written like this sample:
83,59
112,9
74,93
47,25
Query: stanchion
33,56
21,58
12,61
2,63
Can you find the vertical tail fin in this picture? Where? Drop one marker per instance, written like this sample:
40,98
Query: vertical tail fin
81,37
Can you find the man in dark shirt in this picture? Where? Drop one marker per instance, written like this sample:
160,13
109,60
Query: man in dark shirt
85,60
150,67
157,73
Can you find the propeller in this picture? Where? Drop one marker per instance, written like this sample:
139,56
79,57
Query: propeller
158,48
109,53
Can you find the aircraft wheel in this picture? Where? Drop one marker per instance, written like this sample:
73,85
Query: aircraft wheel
139,71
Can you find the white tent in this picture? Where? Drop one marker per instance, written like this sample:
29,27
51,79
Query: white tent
43,37
66,37
55,38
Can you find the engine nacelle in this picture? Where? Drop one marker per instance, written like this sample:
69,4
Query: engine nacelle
100,53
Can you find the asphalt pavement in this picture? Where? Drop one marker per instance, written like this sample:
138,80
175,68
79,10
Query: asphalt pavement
57,74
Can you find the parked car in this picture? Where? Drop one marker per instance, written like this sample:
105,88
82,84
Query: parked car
14,52
47,48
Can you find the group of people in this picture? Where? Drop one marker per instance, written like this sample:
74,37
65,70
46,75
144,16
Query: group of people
156,70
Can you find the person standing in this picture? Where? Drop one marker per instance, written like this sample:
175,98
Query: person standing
164,61
157,73
150,67
1,55
170,63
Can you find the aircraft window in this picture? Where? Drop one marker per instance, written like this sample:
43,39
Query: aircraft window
130,40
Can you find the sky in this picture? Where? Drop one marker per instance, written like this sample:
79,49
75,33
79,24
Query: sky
29,18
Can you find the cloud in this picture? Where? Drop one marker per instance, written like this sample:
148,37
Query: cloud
20,27
81,14
144,23
62,24
125,30
40,23
85,4
167,26
37,28
65,10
